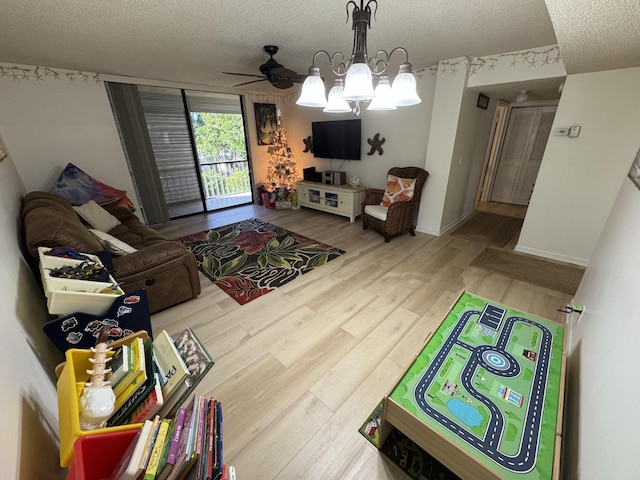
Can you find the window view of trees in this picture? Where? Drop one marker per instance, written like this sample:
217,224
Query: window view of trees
219,136
222,152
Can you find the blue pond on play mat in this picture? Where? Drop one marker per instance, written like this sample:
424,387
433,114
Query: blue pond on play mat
468,414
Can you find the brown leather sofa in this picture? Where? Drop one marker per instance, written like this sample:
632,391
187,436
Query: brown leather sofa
164,268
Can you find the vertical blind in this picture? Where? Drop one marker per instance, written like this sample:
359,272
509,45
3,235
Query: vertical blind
129,118
171,139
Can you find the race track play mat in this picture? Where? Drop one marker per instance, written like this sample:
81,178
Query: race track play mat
484,396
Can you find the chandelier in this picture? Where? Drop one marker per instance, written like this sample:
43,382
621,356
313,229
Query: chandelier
355,75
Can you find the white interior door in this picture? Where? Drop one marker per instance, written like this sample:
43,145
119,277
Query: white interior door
525,140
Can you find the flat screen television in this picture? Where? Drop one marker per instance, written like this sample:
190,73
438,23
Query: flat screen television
337,139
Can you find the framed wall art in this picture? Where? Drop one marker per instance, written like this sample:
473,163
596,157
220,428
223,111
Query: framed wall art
266,122
483,101
634,171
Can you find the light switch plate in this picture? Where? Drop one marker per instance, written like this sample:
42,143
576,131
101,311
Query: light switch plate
561,132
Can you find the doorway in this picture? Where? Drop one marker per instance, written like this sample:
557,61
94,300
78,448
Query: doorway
511,179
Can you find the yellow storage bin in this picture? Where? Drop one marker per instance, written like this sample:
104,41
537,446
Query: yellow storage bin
70,385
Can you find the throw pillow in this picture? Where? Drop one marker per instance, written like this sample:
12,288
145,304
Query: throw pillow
79,187
97,217
112,244
398,190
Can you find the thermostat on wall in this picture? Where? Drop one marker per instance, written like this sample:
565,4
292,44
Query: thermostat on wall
574,131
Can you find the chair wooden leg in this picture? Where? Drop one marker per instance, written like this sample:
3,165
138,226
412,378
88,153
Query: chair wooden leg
387,238
413,234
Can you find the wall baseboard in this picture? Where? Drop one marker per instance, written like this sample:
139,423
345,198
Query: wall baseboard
583,262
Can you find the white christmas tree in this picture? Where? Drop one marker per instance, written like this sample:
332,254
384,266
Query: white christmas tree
282,173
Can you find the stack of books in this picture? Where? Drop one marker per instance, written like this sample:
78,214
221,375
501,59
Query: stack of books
189,445
156,377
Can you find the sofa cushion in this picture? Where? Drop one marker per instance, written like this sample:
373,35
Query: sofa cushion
96,216
377,211
112,244
133,231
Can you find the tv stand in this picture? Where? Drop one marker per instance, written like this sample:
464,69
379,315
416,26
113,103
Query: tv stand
338,199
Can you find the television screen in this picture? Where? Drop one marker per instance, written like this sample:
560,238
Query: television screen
337,139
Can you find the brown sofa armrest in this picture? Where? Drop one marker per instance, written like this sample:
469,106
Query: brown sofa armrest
147,258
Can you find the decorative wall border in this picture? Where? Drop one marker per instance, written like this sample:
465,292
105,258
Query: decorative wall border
533,58
16,72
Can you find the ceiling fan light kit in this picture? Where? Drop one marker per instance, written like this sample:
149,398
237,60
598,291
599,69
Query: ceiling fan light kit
359,71
522,96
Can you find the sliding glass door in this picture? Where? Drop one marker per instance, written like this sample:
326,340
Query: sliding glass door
218,130
198,151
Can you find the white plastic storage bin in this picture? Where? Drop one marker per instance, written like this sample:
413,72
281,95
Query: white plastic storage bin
66,296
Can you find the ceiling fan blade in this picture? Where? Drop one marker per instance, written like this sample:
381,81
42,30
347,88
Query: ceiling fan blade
285,73
243,74
252,81
282,83
281,72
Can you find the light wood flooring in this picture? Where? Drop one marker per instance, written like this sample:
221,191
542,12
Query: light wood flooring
299,369
507,209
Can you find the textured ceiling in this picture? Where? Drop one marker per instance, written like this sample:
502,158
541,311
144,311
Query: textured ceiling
597,35
195,41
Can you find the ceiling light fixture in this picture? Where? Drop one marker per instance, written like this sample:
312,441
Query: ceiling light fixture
522,96
354,82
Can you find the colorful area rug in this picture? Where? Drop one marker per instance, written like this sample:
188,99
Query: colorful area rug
251,258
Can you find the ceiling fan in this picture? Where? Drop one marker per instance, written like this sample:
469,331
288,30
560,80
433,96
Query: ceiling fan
273,72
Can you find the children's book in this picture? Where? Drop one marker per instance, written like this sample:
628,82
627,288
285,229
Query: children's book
132,470
171,448
156,453
198,361
170,363
119,365
130,384
150,406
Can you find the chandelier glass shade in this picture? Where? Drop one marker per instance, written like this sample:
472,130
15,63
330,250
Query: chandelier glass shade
383,99
312,94
336,103
357,73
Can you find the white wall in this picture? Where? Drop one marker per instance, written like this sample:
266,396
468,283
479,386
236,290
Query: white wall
50,122
472,138
28,449
601,432
579,177
445,117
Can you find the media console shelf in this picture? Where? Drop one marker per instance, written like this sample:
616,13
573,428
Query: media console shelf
338,199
